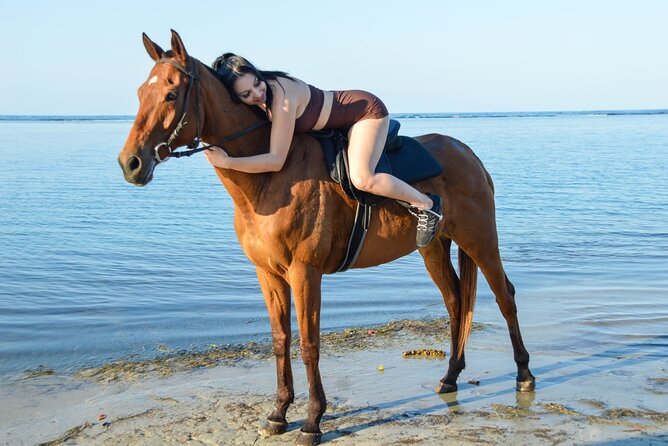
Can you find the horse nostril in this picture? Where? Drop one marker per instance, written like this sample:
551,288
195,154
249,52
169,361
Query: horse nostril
134,164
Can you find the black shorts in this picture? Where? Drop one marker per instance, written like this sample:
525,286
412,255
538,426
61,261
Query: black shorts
351,106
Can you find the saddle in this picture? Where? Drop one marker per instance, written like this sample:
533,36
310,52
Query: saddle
403,157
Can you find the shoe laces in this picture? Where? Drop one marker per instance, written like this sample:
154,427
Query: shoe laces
423,222
427,219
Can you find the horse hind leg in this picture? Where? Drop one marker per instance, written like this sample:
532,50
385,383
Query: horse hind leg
492,268
438,262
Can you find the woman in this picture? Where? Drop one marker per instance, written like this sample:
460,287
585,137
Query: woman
294,106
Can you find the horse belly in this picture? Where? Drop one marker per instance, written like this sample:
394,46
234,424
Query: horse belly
391,236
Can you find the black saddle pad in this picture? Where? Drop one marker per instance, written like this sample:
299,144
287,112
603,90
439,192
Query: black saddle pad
403,157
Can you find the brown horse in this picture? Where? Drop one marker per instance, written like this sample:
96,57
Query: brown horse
294,224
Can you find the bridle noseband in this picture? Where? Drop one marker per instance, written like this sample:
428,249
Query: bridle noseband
163,151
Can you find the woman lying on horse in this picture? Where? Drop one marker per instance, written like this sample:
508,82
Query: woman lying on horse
293,106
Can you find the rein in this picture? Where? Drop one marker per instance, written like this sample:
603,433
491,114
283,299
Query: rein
164,151
229,138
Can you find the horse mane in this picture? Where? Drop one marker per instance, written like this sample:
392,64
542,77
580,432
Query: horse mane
260,114
214,73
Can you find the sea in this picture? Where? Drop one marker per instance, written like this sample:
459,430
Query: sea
95,270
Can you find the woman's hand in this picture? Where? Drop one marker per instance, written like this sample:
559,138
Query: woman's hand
217,157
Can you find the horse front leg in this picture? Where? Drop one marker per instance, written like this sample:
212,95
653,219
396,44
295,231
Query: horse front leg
276,293
306,281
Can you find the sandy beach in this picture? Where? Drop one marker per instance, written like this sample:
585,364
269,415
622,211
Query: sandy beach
609,398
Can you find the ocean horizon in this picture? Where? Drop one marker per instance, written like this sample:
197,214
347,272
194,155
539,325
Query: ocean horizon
397,115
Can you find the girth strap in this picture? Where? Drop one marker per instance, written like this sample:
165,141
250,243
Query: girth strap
357,236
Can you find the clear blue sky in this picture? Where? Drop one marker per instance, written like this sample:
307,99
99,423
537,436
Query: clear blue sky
87,57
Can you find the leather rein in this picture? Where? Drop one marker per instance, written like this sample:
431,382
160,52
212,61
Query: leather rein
164,150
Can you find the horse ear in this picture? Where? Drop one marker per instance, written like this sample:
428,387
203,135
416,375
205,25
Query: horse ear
178,48
152,48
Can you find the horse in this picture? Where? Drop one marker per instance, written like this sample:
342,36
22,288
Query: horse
293,224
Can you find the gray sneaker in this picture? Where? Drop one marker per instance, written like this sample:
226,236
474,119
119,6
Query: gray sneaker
427,221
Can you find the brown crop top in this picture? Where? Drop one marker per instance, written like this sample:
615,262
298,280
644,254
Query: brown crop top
309,118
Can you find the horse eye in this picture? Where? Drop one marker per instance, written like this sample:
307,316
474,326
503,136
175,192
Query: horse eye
171,96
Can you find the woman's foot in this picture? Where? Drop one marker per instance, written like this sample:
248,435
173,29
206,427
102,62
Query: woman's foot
427,221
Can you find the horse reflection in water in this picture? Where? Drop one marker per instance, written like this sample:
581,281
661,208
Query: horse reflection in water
294,224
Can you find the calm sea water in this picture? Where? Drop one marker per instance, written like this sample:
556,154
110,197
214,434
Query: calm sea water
93,269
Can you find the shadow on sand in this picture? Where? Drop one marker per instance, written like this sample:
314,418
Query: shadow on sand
626,356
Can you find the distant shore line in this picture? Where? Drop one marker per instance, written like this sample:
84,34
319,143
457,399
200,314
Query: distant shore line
415,115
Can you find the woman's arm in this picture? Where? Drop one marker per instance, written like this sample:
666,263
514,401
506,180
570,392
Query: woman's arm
283,111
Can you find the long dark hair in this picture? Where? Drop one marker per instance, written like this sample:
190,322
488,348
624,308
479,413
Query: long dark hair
230,67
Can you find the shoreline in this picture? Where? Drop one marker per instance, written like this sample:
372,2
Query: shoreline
224,403
344,341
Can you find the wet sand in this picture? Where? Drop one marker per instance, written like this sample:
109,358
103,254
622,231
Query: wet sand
613,397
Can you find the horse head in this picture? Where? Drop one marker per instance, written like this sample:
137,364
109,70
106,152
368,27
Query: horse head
165,99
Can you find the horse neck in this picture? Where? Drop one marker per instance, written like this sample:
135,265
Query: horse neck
223,117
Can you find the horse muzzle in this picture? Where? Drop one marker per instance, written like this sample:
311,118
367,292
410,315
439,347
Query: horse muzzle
137,170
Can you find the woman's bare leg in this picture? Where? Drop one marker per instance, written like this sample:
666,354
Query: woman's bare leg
366,142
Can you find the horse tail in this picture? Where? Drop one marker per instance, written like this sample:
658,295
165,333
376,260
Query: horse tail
468,283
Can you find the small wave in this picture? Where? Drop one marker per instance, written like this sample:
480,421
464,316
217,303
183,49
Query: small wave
543,114
64,118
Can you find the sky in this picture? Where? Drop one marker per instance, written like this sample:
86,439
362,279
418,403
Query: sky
87,57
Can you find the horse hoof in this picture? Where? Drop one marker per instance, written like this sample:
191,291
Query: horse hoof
445,387
308,439
269,428
526,386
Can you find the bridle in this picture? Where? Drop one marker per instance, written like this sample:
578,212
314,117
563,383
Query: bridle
163,151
